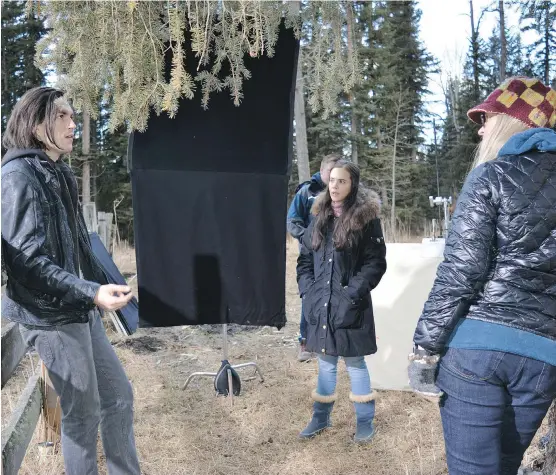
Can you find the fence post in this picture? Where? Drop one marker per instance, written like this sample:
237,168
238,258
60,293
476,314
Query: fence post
19,432
105,228
13,350
90,215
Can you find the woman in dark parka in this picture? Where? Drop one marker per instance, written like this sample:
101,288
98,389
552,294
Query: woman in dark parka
342,259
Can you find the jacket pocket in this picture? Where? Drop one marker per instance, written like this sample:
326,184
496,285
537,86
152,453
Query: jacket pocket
39,340
473,365
307,305
349,313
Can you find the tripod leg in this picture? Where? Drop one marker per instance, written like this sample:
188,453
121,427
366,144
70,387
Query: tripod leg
245,365
230,387
191,376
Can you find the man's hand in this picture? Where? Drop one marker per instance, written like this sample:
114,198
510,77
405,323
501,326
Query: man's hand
113,297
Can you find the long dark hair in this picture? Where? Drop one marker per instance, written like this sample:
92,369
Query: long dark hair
35,107
343,234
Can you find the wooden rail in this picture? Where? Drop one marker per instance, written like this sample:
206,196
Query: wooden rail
19,431
13,350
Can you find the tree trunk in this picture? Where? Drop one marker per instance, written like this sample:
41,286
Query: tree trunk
350,45
393,206
503,42
550,461
94,167
475,53
454,98
86,170
301,147
436,158
301,125
547,34
354,127
384,195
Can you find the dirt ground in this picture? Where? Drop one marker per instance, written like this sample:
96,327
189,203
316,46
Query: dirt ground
195,433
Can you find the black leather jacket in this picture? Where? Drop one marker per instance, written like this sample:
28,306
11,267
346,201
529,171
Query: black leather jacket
500,257
42,242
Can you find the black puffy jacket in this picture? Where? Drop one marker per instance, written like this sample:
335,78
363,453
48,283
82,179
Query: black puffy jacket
335,284
500,257
42,242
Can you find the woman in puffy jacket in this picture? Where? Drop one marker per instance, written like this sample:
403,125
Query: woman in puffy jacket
342,258
491,315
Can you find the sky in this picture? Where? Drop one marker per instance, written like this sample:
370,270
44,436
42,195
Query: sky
445,29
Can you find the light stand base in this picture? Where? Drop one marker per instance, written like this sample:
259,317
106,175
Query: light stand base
225,357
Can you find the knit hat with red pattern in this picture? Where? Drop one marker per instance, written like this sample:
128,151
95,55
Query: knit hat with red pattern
525,99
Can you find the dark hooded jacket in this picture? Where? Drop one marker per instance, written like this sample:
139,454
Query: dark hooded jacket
500,257
335,284
299,214
45,243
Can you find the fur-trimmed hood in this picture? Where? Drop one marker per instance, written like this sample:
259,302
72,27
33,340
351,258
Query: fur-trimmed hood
367,207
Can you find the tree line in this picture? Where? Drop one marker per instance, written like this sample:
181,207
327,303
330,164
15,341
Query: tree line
378,124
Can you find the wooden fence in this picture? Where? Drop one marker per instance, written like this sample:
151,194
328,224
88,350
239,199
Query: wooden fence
17,435
100,223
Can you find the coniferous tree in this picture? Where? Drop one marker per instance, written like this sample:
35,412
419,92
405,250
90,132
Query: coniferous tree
540,16
20,34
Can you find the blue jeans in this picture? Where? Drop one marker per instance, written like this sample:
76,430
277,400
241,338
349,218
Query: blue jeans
493,404
357,370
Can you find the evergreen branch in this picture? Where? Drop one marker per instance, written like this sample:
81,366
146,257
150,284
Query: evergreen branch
120,48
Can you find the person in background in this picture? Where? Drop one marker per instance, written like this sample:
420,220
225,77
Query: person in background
489,324
55,286
298,220
342,258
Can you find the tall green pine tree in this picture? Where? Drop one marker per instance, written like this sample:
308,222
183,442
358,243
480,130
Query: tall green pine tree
20,34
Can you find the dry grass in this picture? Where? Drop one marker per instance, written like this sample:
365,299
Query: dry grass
192,432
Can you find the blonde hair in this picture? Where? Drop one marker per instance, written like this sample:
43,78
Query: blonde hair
502,130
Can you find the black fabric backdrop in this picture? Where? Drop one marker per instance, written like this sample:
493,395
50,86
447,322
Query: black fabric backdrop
210,198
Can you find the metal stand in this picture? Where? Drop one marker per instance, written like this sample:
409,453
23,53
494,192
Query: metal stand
444,202
225,357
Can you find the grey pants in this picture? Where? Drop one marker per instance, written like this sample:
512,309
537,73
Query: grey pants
93,389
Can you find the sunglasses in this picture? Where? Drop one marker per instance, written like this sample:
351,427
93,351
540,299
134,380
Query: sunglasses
483,118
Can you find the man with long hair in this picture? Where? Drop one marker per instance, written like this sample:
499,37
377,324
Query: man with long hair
55,286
